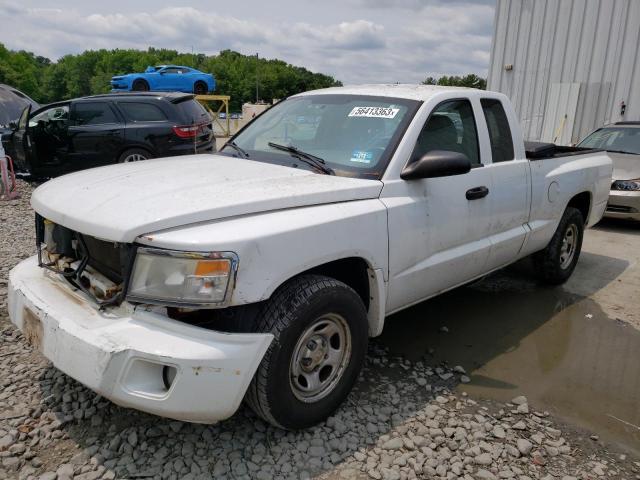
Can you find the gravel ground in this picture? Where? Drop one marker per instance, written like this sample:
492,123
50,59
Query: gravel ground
404,420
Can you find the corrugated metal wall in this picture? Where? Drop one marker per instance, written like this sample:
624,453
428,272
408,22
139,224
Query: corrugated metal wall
595,43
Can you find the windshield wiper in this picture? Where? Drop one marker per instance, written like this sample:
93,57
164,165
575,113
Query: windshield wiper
238,149
309,159
619,151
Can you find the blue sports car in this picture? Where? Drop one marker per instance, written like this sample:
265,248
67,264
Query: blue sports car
165,78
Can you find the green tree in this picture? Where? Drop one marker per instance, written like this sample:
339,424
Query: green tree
470,80
90,72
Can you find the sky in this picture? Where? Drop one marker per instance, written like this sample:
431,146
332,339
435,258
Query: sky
355,41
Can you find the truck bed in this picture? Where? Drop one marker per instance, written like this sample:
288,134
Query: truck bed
542,150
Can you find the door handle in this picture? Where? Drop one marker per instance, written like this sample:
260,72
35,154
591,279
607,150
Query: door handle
477,192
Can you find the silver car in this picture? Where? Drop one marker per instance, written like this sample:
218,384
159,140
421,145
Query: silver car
622,141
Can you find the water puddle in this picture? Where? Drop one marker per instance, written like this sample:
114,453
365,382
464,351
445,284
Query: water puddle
515,338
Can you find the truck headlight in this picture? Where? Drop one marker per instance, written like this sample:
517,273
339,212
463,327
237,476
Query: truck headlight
628,185
171,277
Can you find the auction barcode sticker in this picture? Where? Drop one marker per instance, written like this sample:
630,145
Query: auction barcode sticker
374,112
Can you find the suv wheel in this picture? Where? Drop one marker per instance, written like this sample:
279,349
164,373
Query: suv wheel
555,264
320,341
134,155
140,86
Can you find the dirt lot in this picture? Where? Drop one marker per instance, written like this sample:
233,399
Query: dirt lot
503,379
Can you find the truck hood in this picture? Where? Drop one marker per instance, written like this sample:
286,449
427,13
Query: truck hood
626,166
121,202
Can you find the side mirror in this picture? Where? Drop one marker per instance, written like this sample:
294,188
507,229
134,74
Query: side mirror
437,163
13,125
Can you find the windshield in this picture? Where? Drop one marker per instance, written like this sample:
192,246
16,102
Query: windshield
354,134
620,139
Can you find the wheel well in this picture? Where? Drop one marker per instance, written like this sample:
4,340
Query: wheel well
139,80
352,271
582,202
242,318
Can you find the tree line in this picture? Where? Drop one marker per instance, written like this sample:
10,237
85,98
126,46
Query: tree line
471,80
90,72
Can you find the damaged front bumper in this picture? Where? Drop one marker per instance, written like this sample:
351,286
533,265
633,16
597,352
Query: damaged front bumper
135,357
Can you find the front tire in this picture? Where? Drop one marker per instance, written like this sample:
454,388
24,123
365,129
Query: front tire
555,264
200,88
320,341
140,86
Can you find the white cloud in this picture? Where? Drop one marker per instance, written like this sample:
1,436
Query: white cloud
357,41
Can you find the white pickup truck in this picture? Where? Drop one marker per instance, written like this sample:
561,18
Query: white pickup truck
182,286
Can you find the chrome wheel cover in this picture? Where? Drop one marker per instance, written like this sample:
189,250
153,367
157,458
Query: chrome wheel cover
320,358
569,244
134,157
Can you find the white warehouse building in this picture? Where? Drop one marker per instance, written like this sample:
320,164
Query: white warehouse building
569,66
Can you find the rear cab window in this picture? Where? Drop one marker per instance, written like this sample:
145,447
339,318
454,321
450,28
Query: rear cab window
499,130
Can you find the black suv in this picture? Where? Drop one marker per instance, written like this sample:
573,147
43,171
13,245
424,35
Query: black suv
102,129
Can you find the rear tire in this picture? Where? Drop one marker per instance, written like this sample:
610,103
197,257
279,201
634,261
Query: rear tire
200,88
555,264
320,341
134,155
140,86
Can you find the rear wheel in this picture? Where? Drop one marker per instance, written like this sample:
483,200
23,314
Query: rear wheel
320,341
134,155
200,88
555,264
140,86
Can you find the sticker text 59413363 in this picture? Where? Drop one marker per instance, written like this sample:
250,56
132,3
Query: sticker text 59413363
374,112
361,157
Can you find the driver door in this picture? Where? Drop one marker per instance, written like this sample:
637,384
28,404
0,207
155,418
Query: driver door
170,79
22,144
439,228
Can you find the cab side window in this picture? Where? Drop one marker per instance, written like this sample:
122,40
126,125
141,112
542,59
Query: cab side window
499,130
450,127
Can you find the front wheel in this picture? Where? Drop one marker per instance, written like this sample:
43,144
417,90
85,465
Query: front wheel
200,88
555,264
140,86
320,340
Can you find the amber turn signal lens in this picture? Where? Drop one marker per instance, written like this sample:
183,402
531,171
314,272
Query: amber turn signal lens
206,268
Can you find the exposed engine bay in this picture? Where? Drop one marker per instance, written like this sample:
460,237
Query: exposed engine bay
97,267
102,269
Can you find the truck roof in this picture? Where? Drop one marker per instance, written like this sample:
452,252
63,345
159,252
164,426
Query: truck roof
398,90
